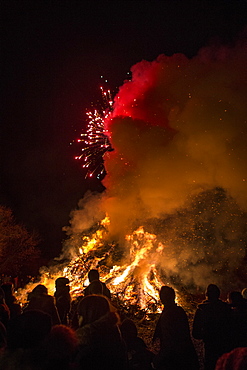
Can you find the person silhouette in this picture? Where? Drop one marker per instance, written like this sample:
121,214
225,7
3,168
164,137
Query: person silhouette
11,301
212,324
139,356
172,329
100,343
39,299
62,299
26,334
96,286
239,319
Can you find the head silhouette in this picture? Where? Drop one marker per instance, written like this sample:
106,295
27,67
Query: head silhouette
167,295
8,291
61,282
93,275
92,308
212,292
40,289
128,330
235,298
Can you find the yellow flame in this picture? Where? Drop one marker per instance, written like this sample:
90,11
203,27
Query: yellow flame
137,279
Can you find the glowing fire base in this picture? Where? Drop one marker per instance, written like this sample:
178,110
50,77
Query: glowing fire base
135,281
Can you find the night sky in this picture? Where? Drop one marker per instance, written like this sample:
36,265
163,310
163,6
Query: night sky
53,56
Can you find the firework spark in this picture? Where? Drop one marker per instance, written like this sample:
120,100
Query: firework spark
95,141
179,170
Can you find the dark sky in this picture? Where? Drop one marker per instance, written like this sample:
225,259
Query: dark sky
53,54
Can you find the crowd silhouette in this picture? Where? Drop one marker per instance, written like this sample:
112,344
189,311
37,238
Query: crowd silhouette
93,333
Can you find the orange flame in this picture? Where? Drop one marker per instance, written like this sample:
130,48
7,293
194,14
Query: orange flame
137,281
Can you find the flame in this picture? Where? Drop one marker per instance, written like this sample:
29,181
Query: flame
136,282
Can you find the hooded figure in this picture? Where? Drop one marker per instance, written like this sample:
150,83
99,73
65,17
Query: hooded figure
100,341
39,299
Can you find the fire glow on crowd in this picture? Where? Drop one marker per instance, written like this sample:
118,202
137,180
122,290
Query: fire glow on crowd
171,151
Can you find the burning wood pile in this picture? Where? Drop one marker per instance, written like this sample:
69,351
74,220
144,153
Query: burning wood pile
134,278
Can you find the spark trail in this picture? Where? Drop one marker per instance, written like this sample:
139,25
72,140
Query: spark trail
95,142
175,190
178,129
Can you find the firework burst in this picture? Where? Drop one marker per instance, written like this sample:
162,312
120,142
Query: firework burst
95,141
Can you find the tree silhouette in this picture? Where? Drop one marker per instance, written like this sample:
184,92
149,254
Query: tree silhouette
18,247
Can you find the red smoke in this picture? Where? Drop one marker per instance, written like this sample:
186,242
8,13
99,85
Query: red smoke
179,134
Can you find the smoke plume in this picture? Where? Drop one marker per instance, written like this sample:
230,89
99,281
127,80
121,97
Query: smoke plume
179,135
